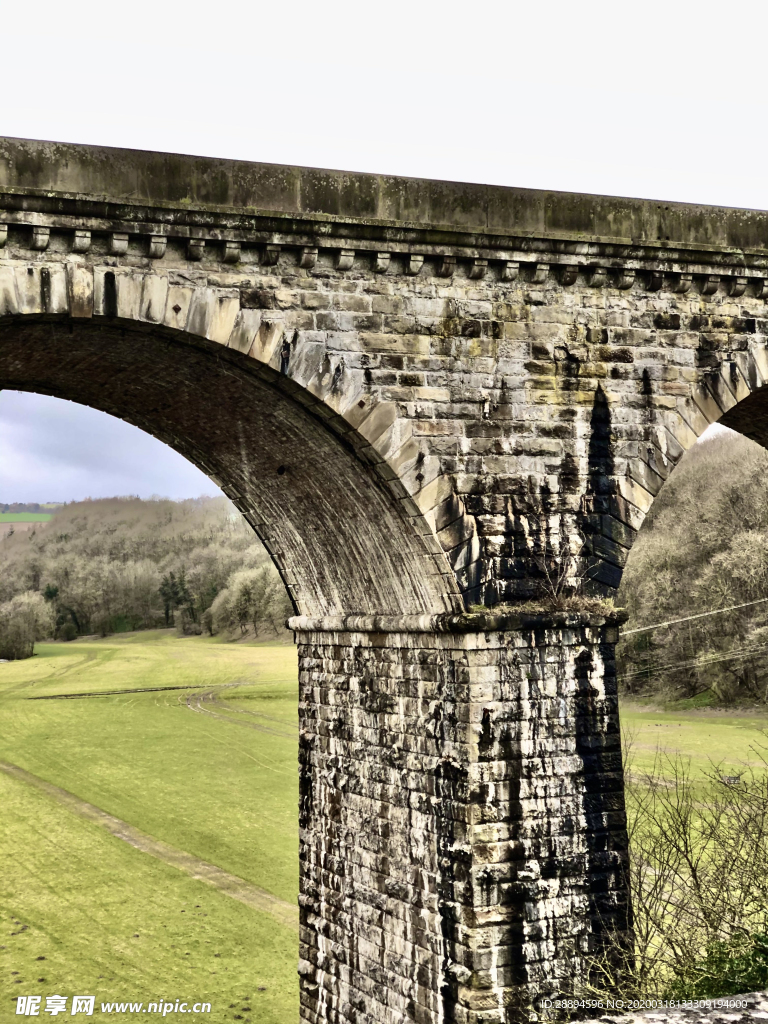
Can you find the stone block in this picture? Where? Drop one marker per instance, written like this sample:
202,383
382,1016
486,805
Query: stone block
80,291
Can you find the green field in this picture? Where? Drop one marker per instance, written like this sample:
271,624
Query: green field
190,744
25,517
706,737
81,910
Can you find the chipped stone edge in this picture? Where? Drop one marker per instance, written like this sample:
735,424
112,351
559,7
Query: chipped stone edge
467,622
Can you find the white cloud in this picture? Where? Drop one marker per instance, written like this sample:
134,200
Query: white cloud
51,450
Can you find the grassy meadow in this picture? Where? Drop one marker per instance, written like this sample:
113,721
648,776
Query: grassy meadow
83,911
704,736
191,741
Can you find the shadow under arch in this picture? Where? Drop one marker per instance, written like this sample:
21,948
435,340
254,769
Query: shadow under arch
339,538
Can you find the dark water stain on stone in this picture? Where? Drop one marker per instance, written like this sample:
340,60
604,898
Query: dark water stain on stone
567,367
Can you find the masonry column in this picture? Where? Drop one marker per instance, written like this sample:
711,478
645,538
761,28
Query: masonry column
462,829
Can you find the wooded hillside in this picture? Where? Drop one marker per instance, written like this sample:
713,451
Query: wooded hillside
116,564
704,546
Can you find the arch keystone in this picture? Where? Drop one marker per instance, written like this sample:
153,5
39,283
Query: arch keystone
154,298
80,291
28,289
117,292
9,300
177,306
53,288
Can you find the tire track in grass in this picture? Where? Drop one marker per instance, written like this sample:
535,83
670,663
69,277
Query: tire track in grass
237,888
198,701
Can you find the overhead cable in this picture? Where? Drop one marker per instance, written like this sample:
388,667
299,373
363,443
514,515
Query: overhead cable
689,618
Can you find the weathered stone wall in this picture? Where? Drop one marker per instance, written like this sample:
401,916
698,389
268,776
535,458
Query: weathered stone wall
516,398
462,826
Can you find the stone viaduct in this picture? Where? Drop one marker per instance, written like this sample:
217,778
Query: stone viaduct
439,405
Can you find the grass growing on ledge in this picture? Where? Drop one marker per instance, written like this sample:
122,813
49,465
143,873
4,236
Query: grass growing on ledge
547,605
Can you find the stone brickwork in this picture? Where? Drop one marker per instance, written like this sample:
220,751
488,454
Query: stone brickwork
424,397
518,372
462,824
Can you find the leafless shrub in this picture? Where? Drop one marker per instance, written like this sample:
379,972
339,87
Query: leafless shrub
698,876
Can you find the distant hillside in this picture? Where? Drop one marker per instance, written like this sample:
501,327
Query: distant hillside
32,506
113,564
703,546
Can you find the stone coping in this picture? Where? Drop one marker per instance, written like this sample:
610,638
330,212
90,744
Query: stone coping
752,1006
134,177
446,622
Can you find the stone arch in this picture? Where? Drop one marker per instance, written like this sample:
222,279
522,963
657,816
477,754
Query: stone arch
732,393
315,465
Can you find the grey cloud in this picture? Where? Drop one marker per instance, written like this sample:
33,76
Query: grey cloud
51,450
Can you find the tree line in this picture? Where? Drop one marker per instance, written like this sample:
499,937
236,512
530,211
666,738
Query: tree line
117,564
703,548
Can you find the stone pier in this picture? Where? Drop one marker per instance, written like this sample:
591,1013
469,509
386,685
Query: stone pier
463,843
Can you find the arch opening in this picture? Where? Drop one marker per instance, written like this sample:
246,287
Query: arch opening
340,540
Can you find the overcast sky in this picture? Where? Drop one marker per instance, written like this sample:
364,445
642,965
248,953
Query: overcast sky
659,100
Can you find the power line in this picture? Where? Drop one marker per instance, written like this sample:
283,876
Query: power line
701,662
689,618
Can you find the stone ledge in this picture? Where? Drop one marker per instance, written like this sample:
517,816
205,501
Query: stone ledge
446,622
132,177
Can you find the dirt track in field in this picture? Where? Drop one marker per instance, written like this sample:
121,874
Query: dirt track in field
247,893
204,702
104,693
